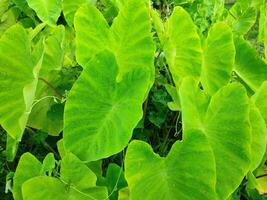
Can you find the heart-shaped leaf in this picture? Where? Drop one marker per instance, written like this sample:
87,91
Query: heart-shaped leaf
224,119
100,107
188,172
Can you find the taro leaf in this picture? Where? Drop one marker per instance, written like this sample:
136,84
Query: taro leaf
47,114
241,18
259,98
259,136
219,58
48,11
249,67
76,182
28,167
70,7
183,47
129,36
100,107
225,122
18,79
188,172
175,104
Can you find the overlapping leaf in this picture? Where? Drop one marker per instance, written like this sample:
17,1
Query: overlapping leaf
70,7
225,122
76,180
175,177
100,112
47,114
129,36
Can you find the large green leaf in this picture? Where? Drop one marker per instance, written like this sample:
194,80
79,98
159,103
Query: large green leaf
183,46
129,36
219,58
101,113
188,172
225,122
48,11
248,65
47,114
18,79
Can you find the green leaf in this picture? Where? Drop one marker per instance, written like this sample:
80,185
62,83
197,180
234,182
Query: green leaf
175,105
18,79
188,172
259,136
49,164
183,48
129,37
100,107
48,11
225,122
241,18
247,56
76,182
28,167
219,58
70,7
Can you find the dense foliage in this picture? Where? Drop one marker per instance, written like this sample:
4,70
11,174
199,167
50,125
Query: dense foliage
133,99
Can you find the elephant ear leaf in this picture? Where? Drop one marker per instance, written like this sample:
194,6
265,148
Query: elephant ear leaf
226,125
175,177
183,46
107,108
219,58
18,79
48,11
